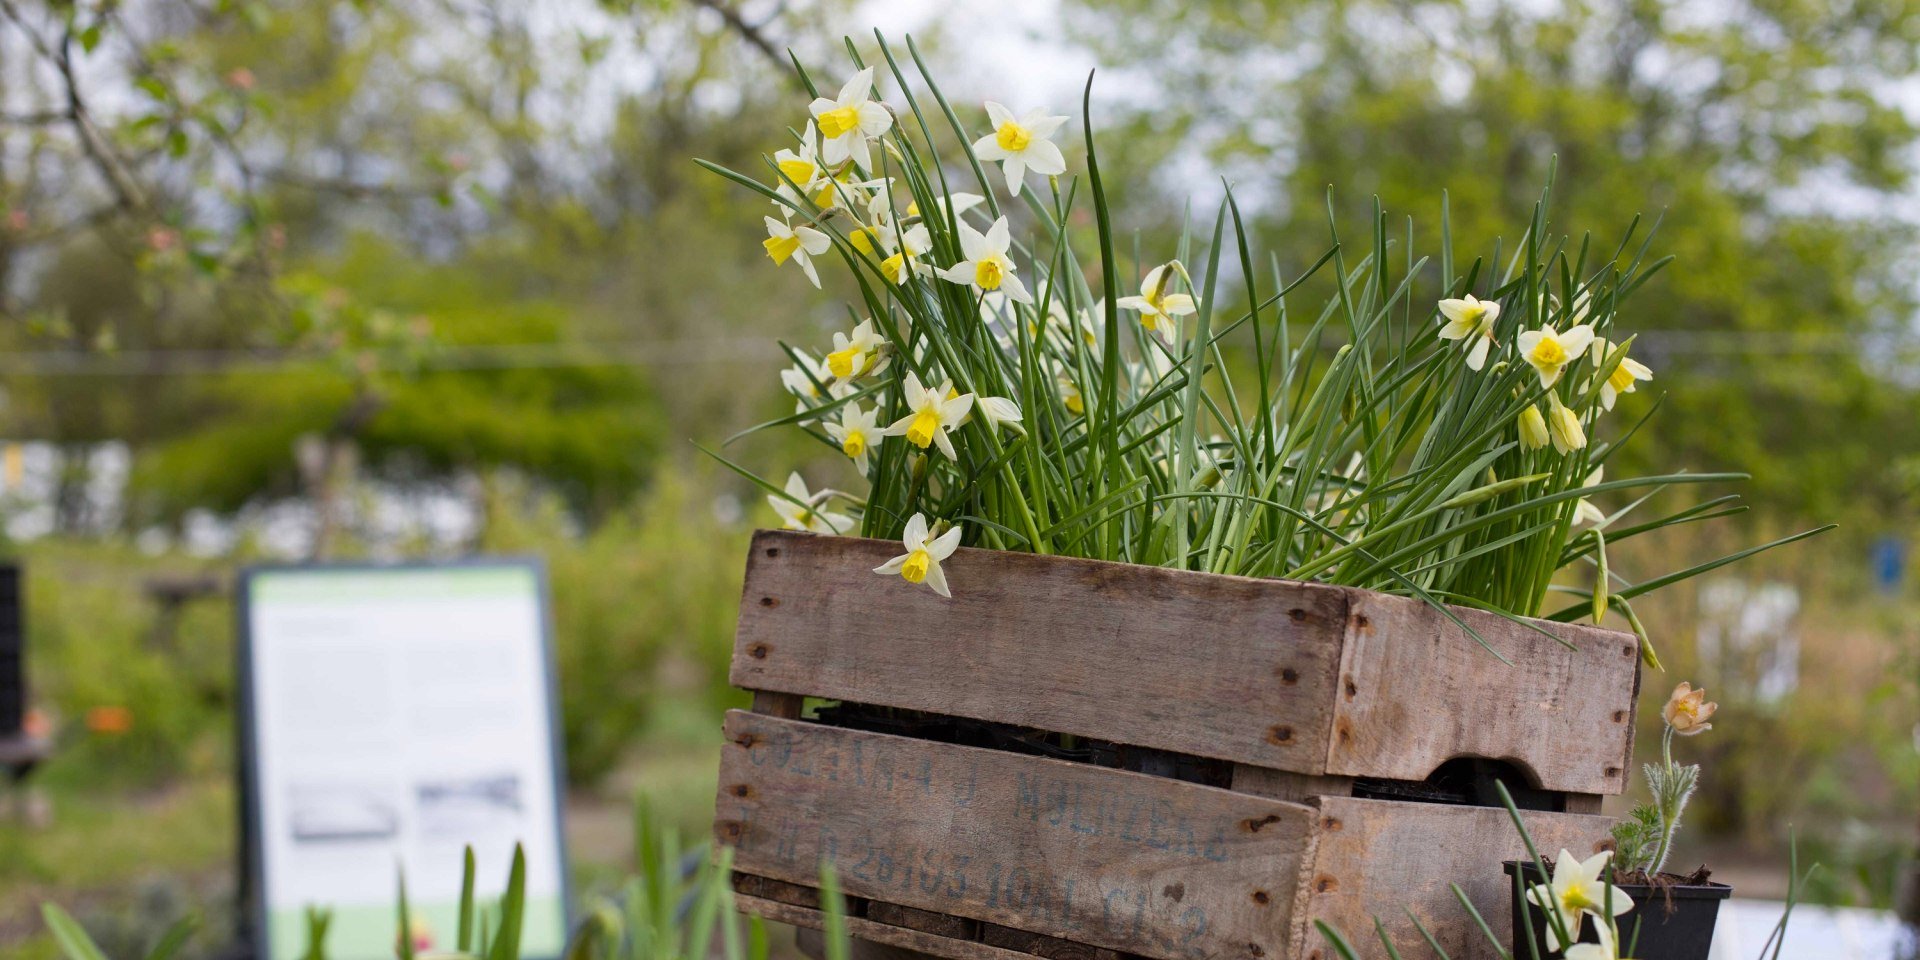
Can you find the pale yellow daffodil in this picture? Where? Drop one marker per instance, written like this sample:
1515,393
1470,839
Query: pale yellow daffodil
1471,319
1564,426
855,355
856,432
1154,304
921,562
1549,351
849,120
800,244
1577,890
1021,144
1625,377
806,514
984,263
931,415
1533,428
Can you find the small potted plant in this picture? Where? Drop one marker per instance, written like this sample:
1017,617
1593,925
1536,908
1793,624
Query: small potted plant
1623,903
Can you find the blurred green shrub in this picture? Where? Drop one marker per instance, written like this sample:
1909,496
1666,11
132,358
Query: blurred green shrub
647,597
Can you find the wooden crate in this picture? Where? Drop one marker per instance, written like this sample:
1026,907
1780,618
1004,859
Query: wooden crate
1300,709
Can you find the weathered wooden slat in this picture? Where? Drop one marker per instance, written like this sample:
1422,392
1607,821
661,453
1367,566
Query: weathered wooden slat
1374,857
944,924
905,938
1295,677
1097,856
1415,691
1226,667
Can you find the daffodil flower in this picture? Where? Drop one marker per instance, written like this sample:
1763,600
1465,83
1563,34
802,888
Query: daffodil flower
801,166
921,562
856,355
1070,395
1564,425
1470,318
985,265
1584,512
1001,412
1624,378
1154,304
856,432
958,203
811,382
806,514
1606,949
1533,428
801,244
849,120
1021,144
932,414
903,263
1577,889
1549,351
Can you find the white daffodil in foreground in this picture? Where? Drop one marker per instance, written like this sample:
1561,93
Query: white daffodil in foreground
985,265
1021,144
932,414
857,432
1625,377
806,514
1549,351
921,562
1577,890
855,355
1470,318
1564,425
849,120
1584,512
800,244
1533,428
1154,304
1001,412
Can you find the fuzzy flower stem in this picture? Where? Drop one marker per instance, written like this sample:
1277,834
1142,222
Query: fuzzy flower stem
1669,818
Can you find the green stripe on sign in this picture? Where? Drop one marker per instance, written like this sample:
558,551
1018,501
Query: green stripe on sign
401,583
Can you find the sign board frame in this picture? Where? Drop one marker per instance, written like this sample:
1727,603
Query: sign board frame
253,903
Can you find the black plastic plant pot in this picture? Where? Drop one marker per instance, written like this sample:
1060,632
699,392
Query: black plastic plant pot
1670,922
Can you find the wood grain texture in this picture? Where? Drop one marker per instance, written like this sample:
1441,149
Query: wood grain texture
1417,691
1302,678
1226,667
1382,858
899,938
1097,856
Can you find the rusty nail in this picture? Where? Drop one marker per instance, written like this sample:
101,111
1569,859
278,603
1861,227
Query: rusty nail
758,651
1325,883
1613,771
769,602
773,551
1619,716
1330,824
741,790
1261,896
1255,949
1353,689
1289,675
1281,734
1297,614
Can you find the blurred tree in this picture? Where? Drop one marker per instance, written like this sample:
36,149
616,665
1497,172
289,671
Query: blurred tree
1765,136
455,235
